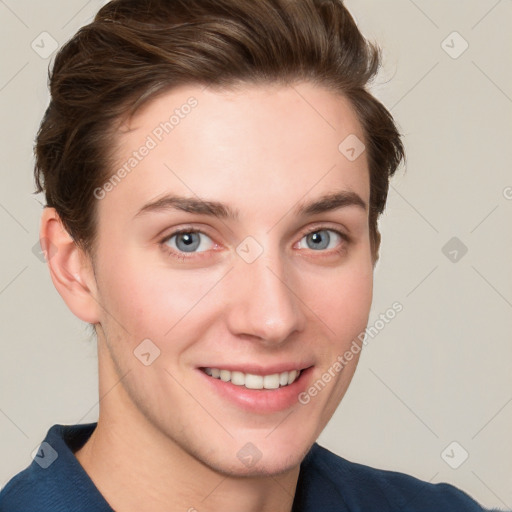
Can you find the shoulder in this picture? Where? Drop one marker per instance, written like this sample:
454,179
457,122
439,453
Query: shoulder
23,492
54,481
362,487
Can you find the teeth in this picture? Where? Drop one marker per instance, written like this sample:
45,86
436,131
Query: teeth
252,381
292,376
238,378
271,381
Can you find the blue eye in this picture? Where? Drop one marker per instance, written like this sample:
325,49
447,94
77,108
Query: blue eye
320,239
184,243
188,241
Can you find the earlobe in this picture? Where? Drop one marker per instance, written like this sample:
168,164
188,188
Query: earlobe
70,268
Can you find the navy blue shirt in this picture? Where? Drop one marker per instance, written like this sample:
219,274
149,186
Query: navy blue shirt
56,482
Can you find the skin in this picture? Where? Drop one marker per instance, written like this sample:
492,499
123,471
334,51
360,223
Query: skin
165,440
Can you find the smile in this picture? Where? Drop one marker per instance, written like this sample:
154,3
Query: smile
251,381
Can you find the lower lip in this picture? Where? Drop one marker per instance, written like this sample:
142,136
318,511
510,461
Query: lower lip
261,400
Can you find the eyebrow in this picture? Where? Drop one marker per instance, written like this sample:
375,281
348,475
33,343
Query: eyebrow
325,203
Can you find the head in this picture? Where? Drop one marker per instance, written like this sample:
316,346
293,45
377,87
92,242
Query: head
243,111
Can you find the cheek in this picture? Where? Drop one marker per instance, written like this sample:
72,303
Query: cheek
150,300
344,304
130,295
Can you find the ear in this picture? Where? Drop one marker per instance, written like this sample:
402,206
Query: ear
70,268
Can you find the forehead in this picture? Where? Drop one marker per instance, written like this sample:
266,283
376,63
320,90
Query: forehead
250,146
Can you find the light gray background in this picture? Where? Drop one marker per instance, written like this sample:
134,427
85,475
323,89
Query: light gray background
441,370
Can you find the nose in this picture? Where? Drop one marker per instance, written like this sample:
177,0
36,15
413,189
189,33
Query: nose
263,301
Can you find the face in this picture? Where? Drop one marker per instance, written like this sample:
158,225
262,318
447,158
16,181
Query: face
232,254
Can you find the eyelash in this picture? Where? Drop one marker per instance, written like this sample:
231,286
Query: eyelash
184,256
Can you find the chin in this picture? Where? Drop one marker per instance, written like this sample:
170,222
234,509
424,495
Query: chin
272,467
250,461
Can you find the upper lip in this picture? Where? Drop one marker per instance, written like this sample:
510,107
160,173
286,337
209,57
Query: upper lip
256,369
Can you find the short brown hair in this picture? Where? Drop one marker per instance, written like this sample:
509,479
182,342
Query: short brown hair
136,49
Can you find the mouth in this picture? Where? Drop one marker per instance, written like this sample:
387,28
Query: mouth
258,389
253,381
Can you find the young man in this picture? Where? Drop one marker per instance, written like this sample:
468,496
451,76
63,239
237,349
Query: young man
214,171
